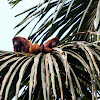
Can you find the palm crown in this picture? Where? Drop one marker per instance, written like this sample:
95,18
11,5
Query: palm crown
69,71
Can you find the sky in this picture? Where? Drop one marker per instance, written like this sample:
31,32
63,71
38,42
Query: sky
8,21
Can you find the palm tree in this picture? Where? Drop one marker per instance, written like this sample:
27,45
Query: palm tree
71,70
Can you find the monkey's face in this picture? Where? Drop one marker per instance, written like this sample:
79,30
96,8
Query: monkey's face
55,43
15,42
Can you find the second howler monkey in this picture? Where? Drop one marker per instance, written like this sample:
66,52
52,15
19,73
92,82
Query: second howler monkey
47,47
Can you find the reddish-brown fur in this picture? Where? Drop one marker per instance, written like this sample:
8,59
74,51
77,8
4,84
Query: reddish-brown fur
21,44
47,47
34,49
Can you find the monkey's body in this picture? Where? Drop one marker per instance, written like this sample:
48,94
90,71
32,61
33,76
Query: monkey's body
34,49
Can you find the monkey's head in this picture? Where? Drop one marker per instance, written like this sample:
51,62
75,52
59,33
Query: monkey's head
17,43
55,42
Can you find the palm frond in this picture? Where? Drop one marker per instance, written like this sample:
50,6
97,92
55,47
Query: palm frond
63,18
69,71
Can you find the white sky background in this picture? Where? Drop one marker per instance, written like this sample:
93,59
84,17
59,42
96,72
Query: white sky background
8,22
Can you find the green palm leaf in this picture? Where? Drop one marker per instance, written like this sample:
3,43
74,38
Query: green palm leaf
73,66
63,17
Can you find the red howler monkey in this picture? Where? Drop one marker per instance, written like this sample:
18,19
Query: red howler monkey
47,47
21,44
34,49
